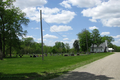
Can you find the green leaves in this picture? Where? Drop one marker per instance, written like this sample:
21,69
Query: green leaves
84,39
11,19
76,45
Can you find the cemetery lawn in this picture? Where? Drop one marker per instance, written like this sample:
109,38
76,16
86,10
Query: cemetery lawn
29,68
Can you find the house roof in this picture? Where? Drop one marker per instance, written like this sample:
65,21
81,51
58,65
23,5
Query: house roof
102,45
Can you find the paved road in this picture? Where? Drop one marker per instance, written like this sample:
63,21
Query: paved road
107,68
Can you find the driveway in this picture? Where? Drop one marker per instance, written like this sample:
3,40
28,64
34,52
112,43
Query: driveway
107,68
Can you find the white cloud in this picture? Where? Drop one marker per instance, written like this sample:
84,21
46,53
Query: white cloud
65,39
61,17
64,35
29,37
50,15
65,4
47,36
107,12
116,42
29,3
70,42
117,36
39,40
37,28
94,27
92,20
105,33
60,28
81,3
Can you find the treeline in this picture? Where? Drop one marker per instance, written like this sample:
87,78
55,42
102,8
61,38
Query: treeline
28,45
87,39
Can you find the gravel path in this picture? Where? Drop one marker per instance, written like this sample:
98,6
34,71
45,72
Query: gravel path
107,68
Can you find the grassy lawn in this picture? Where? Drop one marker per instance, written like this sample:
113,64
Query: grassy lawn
28,68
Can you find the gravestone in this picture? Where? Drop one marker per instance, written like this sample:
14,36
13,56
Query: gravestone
72,54
30,55
78,54
66,55
34,55
20,55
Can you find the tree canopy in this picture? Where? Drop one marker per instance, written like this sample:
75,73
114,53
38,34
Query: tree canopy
84,39
11,20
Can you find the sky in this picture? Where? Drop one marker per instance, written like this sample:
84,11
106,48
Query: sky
62,20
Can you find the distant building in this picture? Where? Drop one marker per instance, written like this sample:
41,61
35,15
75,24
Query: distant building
110,49
101,48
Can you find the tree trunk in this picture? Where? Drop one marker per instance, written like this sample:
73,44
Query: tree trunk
3,36
10,49
10,45
3,46
1,55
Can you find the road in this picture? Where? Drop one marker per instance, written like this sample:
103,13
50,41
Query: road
107,68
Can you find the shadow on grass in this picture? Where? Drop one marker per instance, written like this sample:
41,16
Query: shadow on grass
30,76
82,76
47,76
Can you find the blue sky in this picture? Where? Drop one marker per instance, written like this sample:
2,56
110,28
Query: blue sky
64,19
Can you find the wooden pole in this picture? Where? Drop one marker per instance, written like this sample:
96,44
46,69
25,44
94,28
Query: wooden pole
41,33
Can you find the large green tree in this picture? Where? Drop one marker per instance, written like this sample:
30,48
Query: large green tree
11,19
96,38
84,39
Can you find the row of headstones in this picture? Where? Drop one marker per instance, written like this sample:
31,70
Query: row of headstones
71,54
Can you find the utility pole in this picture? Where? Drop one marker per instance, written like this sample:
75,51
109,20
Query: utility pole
41,33
86,41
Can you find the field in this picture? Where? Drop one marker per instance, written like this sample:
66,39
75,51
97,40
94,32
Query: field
29,68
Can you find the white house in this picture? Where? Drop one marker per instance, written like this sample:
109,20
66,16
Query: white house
101,48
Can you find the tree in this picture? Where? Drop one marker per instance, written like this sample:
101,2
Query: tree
60,46
54,50
96,38
109,40
11,19
82,39
67,47
76,45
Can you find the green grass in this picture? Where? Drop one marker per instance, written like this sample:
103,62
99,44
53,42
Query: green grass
34,68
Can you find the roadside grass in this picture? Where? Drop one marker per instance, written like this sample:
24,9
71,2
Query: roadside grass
29,68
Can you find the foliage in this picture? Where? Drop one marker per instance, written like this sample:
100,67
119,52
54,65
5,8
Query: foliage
96,38
67,47
84,39
76,45
11,19
109,40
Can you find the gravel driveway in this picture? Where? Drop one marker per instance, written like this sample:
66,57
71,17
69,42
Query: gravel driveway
107,68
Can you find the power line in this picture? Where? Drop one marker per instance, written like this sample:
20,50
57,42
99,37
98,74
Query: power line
53,29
